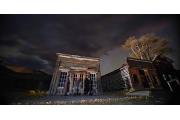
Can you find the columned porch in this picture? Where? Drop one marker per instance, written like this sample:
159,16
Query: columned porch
77,81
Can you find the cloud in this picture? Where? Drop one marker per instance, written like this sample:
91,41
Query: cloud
43,61
22,52
35,39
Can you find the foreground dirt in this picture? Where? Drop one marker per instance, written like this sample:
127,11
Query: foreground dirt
92,100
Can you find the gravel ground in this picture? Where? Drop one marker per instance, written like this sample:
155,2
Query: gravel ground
91,100
133,98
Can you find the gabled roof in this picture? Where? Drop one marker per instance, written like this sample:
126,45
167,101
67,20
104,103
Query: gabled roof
140,63
139,60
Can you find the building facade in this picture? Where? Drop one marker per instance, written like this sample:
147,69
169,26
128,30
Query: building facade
139,74
112,81
167,73
135,74
76,75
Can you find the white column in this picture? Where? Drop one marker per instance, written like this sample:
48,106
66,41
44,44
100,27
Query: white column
56,80
170,86
129,77
84,77
95,83
52,89
71,82
150,82
130,82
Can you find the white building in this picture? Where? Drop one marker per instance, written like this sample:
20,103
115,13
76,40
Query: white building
75,75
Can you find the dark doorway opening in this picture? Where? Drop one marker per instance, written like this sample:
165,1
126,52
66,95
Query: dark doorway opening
144,79
135,78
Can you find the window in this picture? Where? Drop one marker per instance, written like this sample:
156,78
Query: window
63,77
93,79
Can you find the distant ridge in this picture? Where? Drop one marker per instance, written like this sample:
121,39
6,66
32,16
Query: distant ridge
22,69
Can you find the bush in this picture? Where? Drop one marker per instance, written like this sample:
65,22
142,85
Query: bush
36,93
32,92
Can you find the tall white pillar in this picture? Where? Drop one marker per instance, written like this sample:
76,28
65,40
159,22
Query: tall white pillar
71,82
52,87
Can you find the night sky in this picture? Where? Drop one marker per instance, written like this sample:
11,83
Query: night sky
33,40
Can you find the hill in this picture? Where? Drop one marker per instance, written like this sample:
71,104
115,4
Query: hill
21,79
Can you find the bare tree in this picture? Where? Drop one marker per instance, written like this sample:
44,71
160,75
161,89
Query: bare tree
147,46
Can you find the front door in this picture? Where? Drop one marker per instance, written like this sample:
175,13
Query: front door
78,83
144,78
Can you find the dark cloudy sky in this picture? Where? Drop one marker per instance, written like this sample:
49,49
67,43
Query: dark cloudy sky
33,40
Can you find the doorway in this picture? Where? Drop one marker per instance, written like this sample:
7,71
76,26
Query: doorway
144,78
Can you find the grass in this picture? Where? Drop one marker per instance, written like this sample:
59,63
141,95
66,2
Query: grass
20,96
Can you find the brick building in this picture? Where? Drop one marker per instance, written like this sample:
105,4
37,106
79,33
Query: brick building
139,74
135,74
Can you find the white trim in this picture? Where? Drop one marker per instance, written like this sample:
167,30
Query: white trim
60,88
78,68
139,60
177,81
77,57
172,80
92,72
64,70
170,86
164,77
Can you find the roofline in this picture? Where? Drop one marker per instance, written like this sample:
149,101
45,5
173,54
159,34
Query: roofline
110,72
142,60
123,65
135,59
77,57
